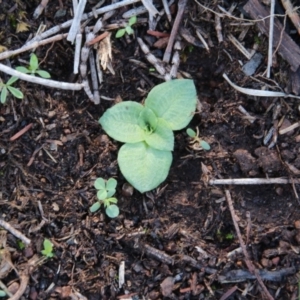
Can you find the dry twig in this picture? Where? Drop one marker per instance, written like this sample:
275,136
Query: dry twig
243,246
15,232
253,181
181,7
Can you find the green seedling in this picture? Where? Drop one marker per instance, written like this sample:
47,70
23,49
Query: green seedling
48,249
33,68
121,32
105,191
21,245
196,143
147,131
5,88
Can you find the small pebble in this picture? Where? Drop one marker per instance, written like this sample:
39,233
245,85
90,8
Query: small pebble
297,224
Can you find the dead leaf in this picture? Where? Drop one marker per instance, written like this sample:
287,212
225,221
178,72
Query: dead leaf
104,52
22,27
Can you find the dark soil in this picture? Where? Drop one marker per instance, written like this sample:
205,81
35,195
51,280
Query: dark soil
177,241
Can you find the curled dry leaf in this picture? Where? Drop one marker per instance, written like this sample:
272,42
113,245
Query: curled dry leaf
104,51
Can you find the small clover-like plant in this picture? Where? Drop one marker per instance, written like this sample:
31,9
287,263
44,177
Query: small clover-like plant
196,143
33,68
7,87
147,131
48,249
105,191
121,32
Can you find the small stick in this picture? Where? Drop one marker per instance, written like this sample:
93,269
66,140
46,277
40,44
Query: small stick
15,232
243,246
181,7
77,53
52,39
271,32
94,79
67,24
38,11
167,10
287,129
218,28
41,81
75,27
21,132
292,13
98,38
252,181
158,33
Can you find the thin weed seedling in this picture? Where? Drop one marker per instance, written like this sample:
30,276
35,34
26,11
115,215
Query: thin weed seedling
105,191
196,143
7,87
33,68
121,32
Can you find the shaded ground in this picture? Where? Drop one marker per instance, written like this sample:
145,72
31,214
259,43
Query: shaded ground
178,240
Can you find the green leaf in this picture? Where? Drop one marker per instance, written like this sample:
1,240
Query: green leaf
204,145
111,187
43,73
121,122
120,33
144,167
174,101
3,95
112,200
95,207
147,120
23,70
21,245
16,92
34,63
2,293
12,80
112,211
48,248
162,138
102,194
99,184
111,184
132,20
191,132
129,30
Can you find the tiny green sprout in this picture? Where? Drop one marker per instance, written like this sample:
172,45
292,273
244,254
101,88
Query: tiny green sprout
5,88
21,245
128,29
33,68
105,191
48,249
196,143
2,294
